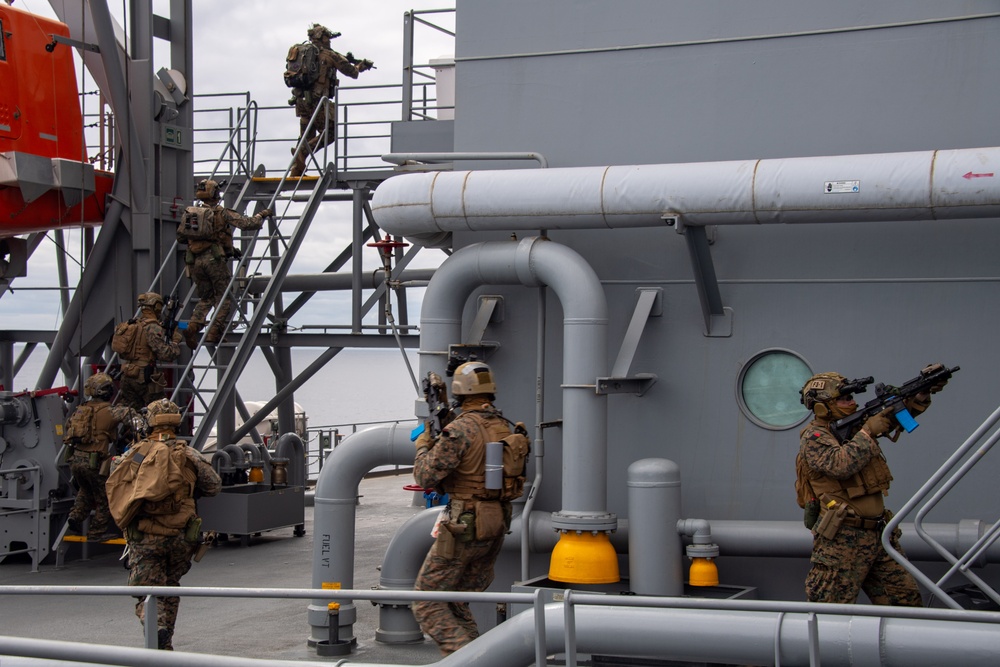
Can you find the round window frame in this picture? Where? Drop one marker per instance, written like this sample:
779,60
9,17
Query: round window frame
745,409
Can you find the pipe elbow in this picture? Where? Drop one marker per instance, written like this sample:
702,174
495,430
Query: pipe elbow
699,530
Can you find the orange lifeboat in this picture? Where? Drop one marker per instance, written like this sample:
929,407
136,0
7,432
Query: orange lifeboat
46,180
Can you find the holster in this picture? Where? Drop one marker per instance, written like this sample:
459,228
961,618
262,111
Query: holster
831,520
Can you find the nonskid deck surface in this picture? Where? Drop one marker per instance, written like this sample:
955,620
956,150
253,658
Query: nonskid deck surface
266,628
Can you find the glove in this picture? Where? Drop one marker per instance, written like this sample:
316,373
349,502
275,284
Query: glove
520,428
265,213
237,254
933,368
917,404
424,440
879,424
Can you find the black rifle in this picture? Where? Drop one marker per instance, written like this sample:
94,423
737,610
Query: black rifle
168,316
888,397
437,403
360,62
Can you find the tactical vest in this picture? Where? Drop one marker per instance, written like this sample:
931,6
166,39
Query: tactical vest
862,491
468,480
91,427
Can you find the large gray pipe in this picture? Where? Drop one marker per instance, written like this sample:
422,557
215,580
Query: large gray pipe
654,545
925,185
534,262
334,515
741,637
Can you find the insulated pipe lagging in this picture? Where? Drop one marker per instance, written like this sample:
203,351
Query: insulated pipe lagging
924,185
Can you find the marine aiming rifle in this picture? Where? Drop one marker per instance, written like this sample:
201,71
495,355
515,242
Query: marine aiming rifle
888,397
168,316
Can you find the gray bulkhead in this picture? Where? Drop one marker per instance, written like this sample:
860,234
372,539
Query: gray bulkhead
649,82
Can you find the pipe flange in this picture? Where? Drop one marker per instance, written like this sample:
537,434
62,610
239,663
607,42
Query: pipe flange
702,551
584,523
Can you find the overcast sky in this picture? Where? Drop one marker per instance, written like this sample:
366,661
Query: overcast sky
240,47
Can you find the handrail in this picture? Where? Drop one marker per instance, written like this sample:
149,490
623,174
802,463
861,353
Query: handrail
932,497
570,600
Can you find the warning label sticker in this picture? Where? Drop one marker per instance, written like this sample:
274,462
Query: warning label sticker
840,187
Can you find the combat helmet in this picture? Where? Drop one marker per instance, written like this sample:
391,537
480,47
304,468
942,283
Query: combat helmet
163,412
321,33
207,190
99,385
473,377
820,390
150,300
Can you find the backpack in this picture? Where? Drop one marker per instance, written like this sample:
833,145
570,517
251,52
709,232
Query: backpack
87,425
198,223
302,65
154,478
126,337
803,489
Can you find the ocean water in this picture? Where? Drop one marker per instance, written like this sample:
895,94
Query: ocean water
356,388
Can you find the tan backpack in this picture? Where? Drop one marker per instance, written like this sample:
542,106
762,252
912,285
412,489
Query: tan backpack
127,335
199,223
89,428
153,478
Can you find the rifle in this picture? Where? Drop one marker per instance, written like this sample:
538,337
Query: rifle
436,395
362,64
888,397
168,316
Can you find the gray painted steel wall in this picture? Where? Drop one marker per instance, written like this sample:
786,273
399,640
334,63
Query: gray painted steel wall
881,299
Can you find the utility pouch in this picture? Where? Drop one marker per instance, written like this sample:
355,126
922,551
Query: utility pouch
467,533
445,544
200,552
94,461
217,252
831,521
489,520
188,258
192,532
811,515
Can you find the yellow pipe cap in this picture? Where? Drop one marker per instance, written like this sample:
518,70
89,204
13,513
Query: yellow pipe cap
584,558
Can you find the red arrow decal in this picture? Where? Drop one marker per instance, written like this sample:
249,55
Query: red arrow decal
971,175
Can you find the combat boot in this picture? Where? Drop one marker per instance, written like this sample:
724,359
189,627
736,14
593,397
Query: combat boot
164,639
192,334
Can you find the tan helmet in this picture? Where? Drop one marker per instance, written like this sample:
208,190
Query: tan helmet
207,190
100,385
150,300
473,377
163,412
820,390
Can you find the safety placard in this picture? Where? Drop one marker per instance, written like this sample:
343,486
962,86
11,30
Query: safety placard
840,187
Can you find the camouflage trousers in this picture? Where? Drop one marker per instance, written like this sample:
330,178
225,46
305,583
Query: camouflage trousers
451,624
854,560
158,560
211,276
136,393
90,494
311,136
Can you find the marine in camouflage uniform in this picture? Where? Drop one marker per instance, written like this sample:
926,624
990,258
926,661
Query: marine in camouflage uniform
455,463
306,101
90,456
141,382
160,555
208,263
849,480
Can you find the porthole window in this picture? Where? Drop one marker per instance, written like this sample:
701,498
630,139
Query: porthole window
768,387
